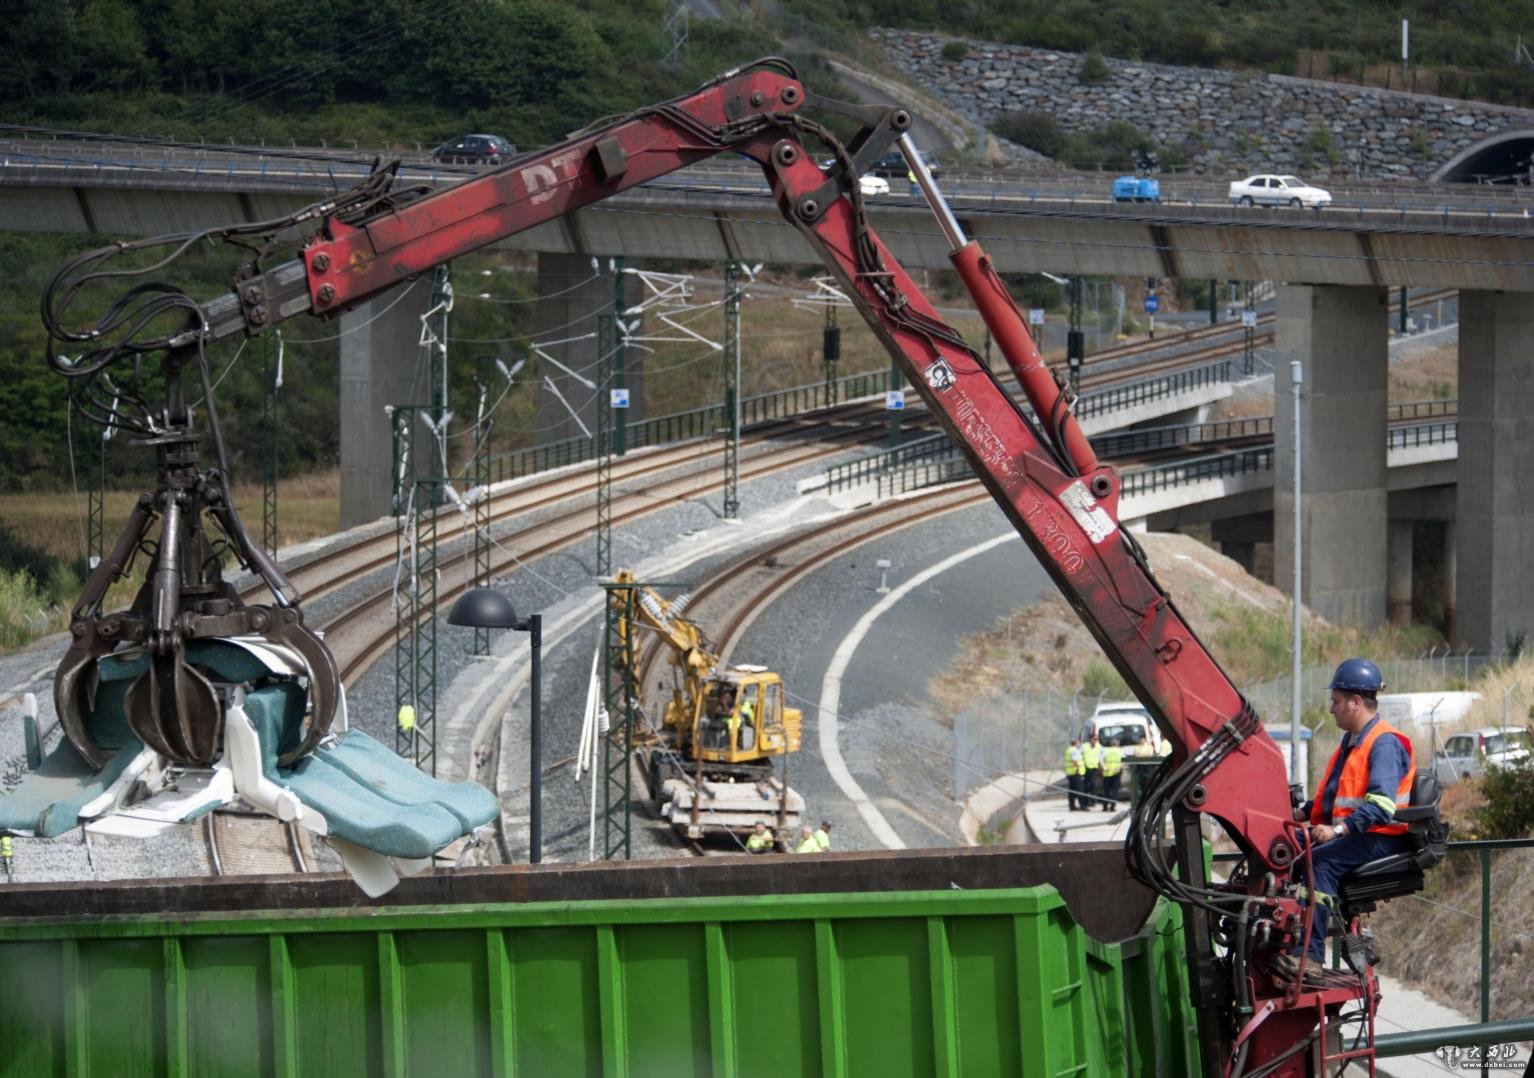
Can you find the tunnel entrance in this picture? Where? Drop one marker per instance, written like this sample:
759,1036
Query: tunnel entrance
1505,158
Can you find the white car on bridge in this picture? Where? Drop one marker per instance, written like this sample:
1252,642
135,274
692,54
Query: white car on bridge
1271,190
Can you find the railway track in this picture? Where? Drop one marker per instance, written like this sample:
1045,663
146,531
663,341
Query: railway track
252,844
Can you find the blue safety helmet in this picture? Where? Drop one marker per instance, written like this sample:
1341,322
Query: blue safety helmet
1357,675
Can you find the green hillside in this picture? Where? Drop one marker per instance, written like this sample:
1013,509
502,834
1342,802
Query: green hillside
380,72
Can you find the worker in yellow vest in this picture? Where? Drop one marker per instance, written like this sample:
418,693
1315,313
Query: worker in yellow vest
1113,767
5,855
1092,755
1075,775
760,840
807,843
822,837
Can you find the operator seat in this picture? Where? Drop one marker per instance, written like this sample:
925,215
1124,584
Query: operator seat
1401,873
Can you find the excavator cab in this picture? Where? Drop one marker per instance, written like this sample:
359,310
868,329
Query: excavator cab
743,719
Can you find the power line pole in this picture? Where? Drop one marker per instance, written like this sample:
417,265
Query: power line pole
1075,339
732,293
1249,331
618,698
674,33
271,380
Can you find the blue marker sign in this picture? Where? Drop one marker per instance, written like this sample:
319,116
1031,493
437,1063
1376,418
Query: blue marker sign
1152,303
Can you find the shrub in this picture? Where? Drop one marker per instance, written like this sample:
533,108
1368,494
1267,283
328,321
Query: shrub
1321,145
1036,130
1094,69
1509,808
955,50
1100,679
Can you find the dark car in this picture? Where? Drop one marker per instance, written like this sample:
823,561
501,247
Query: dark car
892,165
474,150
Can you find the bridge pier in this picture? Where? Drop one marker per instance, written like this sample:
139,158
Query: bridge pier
1494,536
1398,569
577,294
1339,333
381,365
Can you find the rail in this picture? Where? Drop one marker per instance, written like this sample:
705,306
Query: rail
694,423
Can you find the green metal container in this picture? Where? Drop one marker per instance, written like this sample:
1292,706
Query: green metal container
989,981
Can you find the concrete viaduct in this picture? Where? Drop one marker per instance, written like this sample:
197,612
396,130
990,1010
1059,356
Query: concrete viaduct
1340,265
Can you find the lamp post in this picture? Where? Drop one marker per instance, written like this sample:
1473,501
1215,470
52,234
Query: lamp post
486,608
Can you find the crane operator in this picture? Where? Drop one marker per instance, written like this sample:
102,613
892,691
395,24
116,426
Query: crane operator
1369,776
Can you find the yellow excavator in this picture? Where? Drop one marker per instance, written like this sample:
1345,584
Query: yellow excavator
712,765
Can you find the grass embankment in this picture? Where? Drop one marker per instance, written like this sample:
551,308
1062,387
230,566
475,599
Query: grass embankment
53,525
1244,622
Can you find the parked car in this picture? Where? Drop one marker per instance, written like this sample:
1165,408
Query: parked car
873,185
1465,755
474,150
1130,724
1271,190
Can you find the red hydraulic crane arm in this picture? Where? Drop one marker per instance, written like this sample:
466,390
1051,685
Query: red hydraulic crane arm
1061,500
349,263
1041,470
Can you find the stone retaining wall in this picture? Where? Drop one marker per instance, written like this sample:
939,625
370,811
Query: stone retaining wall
1224,121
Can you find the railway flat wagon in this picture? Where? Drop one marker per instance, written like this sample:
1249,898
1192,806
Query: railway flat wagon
967,962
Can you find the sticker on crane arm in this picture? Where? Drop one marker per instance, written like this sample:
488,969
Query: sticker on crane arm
1094,519
940,376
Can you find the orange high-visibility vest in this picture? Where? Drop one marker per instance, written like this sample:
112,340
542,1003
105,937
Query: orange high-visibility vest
1353,787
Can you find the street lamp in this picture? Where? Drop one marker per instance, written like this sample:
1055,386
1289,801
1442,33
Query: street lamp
486,608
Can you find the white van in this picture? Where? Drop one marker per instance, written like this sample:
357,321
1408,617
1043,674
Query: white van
1130,724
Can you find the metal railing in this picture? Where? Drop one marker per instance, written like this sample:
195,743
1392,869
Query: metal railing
1113,398
1216,466
1152,439
1422,434
940,461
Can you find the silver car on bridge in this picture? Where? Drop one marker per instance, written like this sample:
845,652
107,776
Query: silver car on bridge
1267,189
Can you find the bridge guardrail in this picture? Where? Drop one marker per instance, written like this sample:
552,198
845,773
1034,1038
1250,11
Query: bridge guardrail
889,461
1153,388
1422,434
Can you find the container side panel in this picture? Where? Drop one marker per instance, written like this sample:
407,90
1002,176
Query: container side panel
339,1028
32,1008
229,1030
446,1001
985,987
559,1024
124,1005
665,975
777,1019
1106,1049
1067,986
887,996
